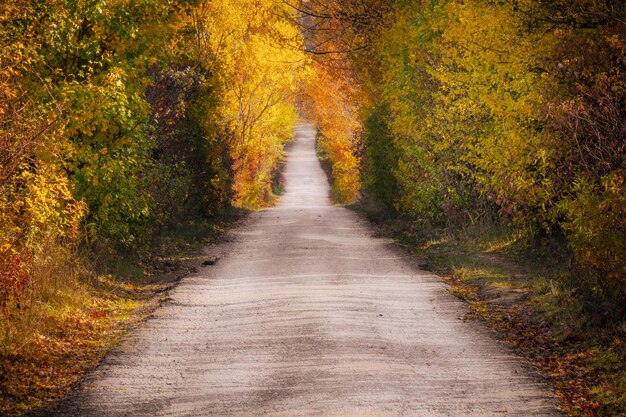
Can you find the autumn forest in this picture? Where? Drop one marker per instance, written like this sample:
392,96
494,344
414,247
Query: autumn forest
124,123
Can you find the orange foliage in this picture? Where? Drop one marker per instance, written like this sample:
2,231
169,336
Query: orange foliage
331,101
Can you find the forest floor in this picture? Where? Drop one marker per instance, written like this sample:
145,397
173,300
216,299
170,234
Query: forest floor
522,294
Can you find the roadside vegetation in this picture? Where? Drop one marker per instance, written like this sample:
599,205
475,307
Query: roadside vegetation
528,296
127,130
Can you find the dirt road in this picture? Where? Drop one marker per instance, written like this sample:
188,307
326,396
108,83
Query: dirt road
307,314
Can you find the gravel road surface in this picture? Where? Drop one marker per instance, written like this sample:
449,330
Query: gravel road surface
307,313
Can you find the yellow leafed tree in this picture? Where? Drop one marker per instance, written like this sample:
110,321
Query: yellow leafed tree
257,52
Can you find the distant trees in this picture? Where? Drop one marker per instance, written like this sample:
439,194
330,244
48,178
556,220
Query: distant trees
257,52
338,35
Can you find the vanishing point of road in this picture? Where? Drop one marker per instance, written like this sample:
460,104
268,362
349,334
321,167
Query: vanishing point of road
308,314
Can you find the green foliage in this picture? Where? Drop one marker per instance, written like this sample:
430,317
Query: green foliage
89,72
192,174
107,157
90,68
381,154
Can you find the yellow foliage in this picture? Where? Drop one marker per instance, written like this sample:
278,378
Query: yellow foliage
259,57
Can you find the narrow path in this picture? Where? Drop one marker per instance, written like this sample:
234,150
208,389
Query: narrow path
307,314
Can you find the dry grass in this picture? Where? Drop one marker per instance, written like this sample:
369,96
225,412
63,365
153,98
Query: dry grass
58,327
525,295
68,317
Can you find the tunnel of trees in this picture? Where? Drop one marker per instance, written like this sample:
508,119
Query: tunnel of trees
121,120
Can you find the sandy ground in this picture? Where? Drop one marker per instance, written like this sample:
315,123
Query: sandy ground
307,314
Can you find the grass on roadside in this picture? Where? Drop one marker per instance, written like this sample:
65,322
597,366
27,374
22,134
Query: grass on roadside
524,294
69,317
48,350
